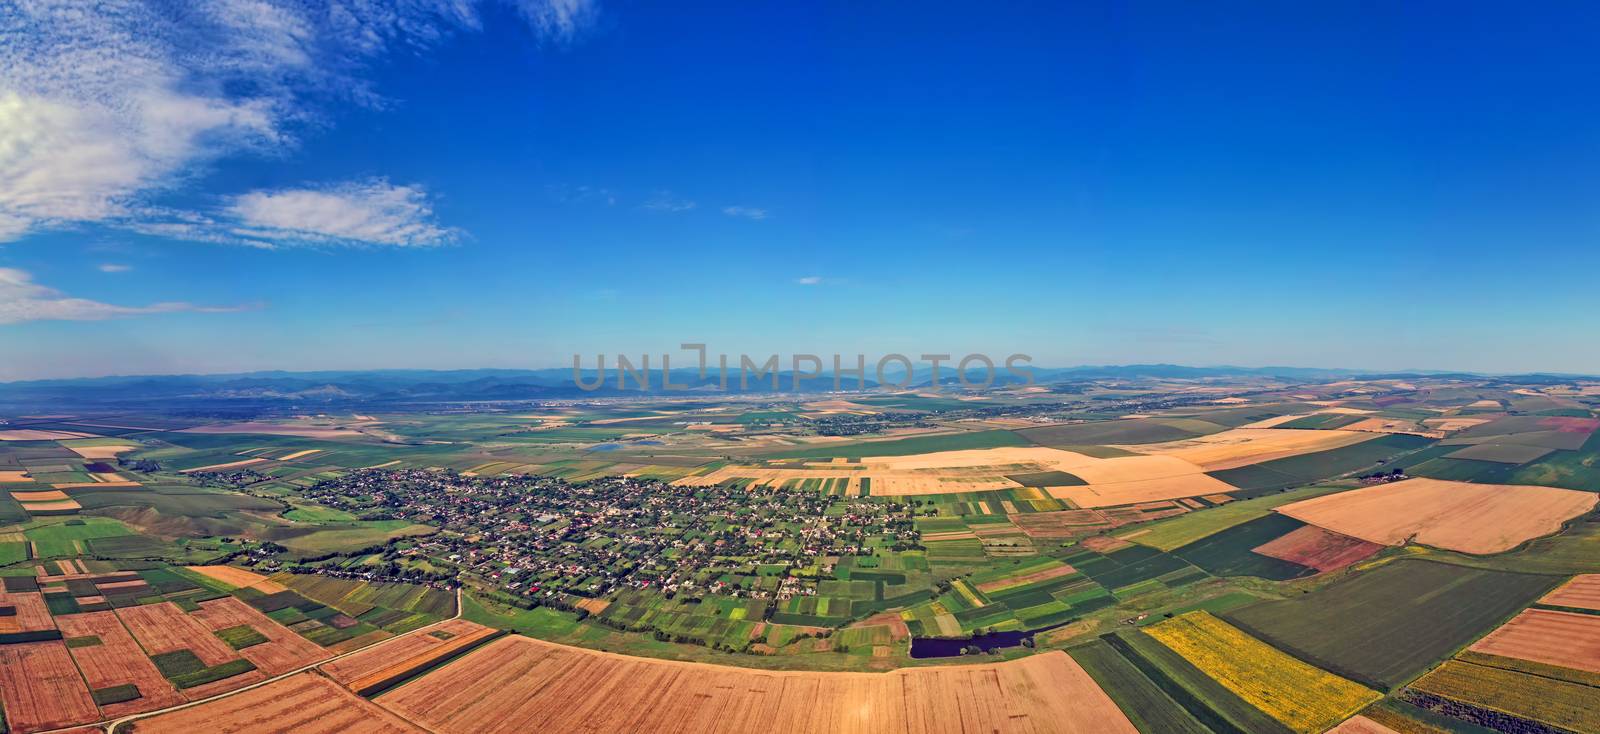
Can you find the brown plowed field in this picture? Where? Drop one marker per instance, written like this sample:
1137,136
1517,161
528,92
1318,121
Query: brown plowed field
1320,549
518,684
32,614
117,660
302,704
163,627
1461,516
345,670
1582,592
41,688
286,650
1556,638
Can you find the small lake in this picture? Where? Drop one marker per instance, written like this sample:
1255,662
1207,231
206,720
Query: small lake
937,647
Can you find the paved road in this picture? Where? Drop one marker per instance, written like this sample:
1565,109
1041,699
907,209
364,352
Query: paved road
111,725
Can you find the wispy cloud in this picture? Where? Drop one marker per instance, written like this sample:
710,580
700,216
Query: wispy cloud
809,280
559,20
105,106
666,201
23,300
747,212
568,194
114,268
370,213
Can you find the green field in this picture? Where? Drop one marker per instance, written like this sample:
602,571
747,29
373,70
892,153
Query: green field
1149,709
351,536
59,539
1387,625
1184,529
1386,451
1228,552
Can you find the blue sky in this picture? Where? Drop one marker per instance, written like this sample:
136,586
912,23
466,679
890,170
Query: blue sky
502,184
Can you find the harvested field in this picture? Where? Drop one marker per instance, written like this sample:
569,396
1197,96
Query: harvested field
1471,518
1114,481
1564,639
56,506
163,628
239,578
1008,582
401,669
117,660
1298,695
15,477
49,495
1582,592
300,454
1361,725
32,613
300,704
1104,543
41,688
519,684
284,651
220,467
1317,548
1392,425
32,435
368,662
1243,446
100,452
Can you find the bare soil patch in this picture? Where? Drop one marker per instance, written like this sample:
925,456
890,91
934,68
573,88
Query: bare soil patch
1461,516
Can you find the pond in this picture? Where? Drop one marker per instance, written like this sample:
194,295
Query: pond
937,647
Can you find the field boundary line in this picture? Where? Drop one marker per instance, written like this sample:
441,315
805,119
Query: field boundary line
110,725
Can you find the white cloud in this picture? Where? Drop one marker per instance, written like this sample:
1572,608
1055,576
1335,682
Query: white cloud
560,20
114,268
105,105
22,300
372,213
666,201
809,280
747,212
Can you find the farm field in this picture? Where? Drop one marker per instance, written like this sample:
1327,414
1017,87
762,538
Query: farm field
1244,446
1388,624
1151,541
115,659
1487,696
1582,592
367,662
302,704
1471,518
1319,549
41,688
520,684
1555,638
1300,696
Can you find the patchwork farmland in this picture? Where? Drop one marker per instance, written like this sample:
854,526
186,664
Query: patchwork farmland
1300,559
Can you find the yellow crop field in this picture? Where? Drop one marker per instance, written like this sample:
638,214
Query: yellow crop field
1304,698
1547,700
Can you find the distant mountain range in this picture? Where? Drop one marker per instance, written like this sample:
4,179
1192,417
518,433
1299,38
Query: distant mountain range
278,389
